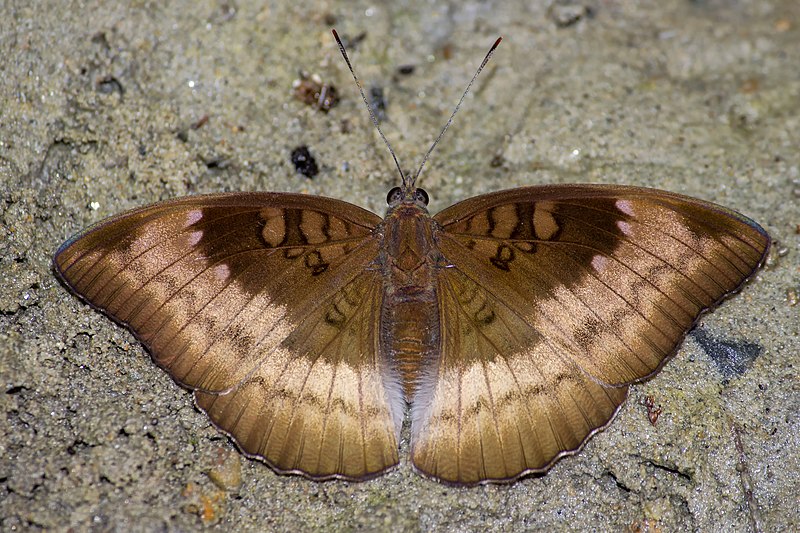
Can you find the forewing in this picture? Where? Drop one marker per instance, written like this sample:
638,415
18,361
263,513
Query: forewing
583,290
264,304
614,275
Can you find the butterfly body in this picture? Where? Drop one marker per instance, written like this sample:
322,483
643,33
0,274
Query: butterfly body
410,314
512,323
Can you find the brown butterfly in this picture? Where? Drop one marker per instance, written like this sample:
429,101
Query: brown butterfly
511,323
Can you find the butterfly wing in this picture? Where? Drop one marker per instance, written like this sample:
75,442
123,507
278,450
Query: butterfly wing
503,400
265,305
554,300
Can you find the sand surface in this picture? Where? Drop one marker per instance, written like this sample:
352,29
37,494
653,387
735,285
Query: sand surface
105,108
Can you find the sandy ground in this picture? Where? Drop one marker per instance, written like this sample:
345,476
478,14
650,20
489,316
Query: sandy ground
104,108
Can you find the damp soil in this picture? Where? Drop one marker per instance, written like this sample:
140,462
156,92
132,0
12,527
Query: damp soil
106,107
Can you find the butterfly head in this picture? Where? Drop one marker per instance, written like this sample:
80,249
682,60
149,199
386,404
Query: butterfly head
408,196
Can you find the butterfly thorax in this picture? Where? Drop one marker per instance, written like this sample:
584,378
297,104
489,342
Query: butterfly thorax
409,316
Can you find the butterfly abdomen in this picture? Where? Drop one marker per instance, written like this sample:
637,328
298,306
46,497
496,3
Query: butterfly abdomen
410,337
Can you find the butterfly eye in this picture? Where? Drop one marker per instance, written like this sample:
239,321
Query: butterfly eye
395,196
421,197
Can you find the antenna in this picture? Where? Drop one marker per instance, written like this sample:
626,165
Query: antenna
410,185
458,105
369,108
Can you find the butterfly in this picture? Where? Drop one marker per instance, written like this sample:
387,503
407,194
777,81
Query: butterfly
508,327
